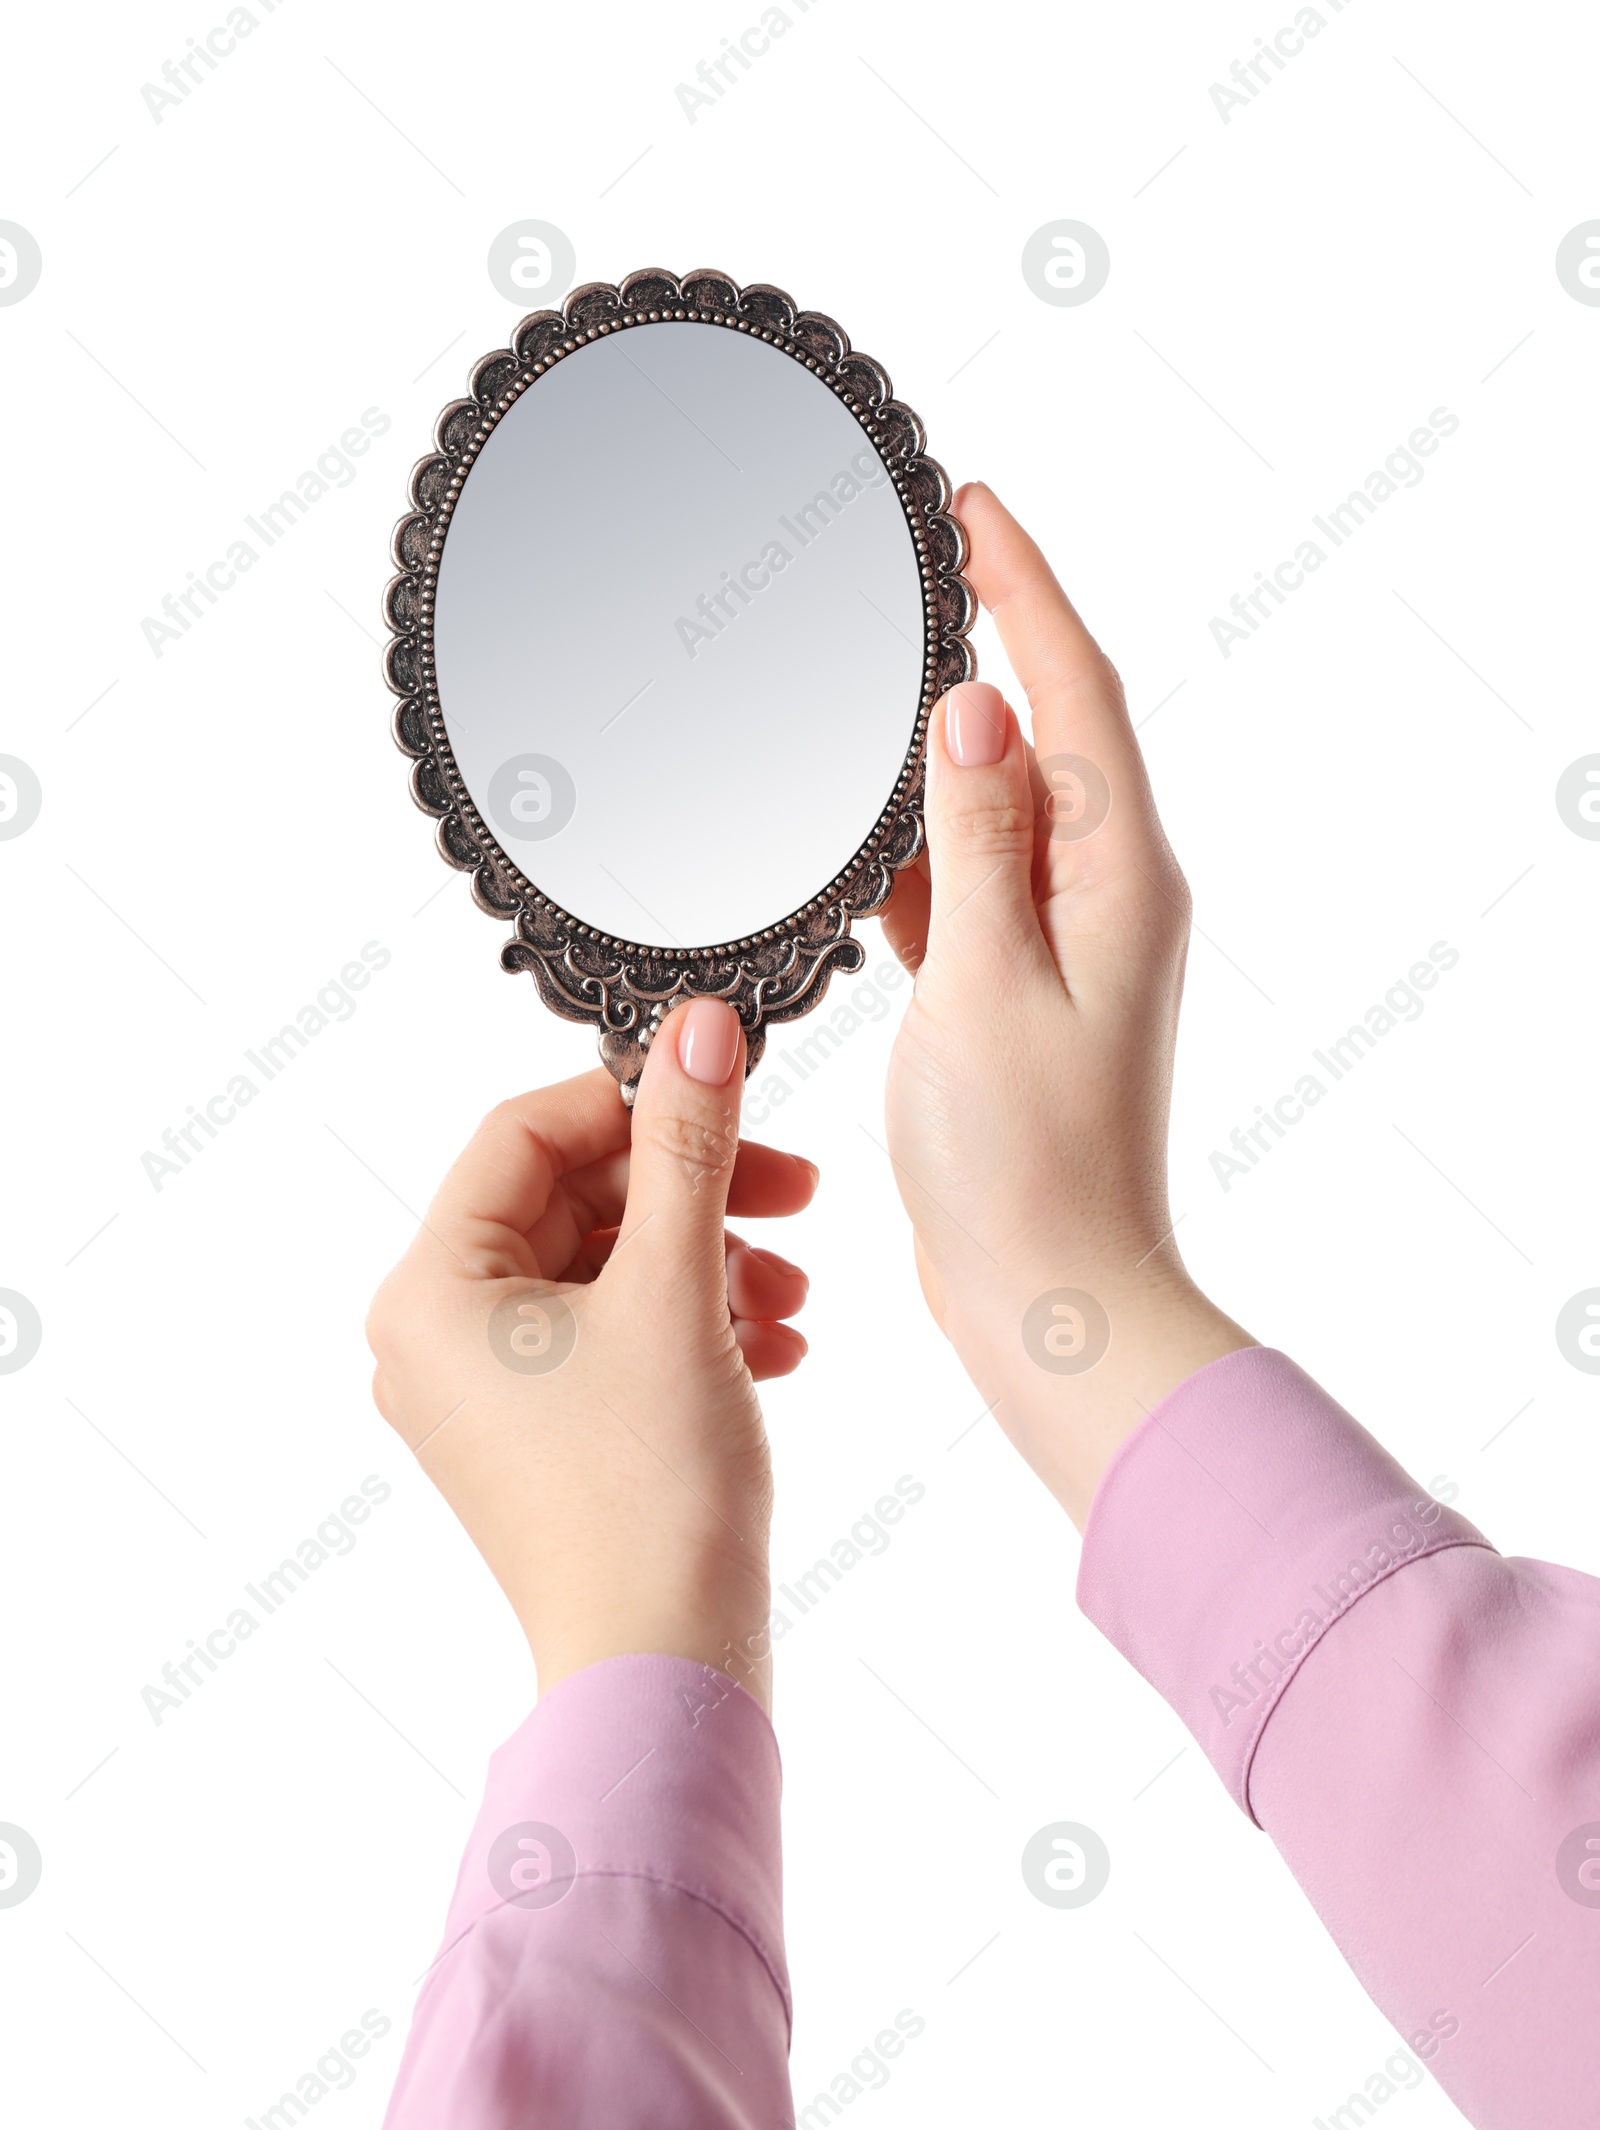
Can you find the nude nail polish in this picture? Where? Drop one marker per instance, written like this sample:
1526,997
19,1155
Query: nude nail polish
975,724
708,1041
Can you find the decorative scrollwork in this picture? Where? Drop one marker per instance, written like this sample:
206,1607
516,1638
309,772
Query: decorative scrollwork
621,987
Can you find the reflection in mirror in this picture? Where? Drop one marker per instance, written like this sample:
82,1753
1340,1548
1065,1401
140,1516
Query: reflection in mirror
680,635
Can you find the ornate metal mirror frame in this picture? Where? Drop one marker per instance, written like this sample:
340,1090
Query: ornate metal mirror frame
622,986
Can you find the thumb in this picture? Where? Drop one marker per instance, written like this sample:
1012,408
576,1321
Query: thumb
979,816
685,1137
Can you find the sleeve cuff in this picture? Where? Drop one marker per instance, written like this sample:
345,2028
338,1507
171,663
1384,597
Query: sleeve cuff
643,1767
1236,1524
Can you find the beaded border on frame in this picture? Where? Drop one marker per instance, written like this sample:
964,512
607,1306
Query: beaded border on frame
622,987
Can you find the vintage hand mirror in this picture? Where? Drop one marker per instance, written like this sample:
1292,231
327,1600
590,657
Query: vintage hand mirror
677,592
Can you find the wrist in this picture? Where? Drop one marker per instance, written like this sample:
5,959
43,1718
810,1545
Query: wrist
704,1606
1083,1367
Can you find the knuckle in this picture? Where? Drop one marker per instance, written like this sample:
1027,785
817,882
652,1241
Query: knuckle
399,1329
1000,828
483,1249
384,1399
503,1117
703,1146
1094,682
1168,910
513,1259
380,1323
1179,896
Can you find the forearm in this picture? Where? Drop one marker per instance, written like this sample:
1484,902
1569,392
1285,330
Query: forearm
613,1954
1073,1362
703,1595
1414,1720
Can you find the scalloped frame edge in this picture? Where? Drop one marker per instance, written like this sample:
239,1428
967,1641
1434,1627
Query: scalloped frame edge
624,988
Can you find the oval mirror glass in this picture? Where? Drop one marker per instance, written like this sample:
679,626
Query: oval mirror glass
680,635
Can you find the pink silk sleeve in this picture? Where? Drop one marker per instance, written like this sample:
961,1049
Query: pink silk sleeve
613,1954
1412,1718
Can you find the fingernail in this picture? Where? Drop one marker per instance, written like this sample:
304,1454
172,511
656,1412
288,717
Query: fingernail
975,724
708,1041
777,1263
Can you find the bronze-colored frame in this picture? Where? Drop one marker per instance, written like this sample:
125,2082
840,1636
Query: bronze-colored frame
622,986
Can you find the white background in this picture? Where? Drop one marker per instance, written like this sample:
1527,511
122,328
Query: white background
1372,772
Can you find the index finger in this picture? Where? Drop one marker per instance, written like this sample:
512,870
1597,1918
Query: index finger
1072,688
502,1180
